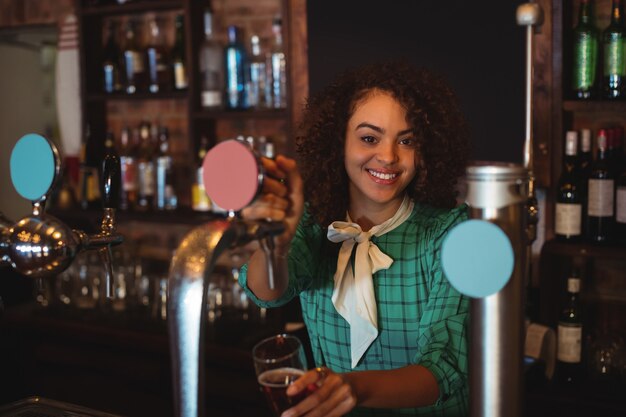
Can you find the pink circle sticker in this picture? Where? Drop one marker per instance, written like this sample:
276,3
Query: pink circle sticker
230,172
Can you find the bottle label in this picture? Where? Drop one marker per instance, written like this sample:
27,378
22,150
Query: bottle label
129,173
600,198
585,55
199,199
569,342
573,285
146,179
568,219
180,77
211,98
620,212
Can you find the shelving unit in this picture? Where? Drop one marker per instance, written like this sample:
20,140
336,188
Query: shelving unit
603,292
100,110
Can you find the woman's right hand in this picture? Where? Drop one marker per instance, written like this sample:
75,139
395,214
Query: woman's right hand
282,199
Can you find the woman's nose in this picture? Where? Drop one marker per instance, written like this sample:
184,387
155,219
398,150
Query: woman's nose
387,153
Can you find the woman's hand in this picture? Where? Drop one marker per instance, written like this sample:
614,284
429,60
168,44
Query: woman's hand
330,395
281,198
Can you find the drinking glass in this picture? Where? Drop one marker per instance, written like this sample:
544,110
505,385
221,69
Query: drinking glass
278,361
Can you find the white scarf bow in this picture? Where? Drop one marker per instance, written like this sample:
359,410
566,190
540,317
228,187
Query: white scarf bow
353,294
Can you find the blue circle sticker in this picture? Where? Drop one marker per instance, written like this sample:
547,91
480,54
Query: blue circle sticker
477,258
33,166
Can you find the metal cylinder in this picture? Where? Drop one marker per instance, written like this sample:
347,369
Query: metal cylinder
496,193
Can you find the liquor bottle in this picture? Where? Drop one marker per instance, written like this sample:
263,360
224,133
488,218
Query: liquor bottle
88,176
601,187
586,44
179,63
111,63
278,67
614,68
585,159
211,66
199,199
166,198
134,65
128,163
568,215
156,58
145,169
569,334
236,63
258,89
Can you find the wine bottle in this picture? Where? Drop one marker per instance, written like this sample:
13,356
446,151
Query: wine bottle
166,198
145,169
278,67
585,159
620,192
614,65
128,164
179,63
211,66
586,44
111,63
156,58
568,214
569,334
600,198
199,199
134,65
236,64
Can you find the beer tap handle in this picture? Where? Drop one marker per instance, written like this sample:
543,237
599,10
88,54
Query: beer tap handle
110,190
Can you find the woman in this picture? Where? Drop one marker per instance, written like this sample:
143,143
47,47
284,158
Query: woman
379,154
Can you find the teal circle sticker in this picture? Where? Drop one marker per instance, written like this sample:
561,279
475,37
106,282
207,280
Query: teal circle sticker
33,166
477,258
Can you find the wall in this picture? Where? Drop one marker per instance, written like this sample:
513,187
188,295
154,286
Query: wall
477,45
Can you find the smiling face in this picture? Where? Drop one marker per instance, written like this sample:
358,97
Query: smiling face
381,157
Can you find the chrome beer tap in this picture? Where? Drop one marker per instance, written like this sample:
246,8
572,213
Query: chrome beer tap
40,245
232,176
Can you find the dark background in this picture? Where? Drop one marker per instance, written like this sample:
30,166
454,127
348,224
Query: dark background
477,45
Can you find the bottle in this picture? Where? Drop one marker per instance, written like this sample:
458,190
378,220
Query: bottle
156,58
585,159
620,194
569,334
88,176
199,199
600,195
211,66
179,64
111,62
617,154
614,69
257,88
134,65
145,169
586,44
278,67
128,163
235,57
568,214
166,198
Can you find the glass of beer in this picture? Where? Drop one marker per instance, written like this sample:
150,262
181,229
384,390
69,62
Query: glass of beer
278,361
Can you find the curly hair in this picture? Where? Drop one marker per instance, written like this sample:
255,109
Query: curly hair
432,111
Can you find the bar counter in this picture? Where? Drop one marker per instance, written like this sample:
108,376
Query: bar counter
120,364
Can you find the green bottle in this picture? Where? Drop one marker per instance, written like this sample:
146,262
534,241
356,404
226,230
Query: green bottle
613,49
586,39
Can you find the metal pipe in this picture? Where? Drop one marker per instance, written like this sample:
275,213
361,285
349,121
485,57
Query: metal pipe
496,193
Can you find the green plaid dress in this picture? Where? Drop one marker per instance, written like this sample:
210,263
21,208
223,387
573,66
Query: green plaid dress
421,318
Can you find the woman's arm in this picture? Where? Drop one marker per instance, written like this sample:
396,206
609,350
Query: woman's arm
282,200
408,387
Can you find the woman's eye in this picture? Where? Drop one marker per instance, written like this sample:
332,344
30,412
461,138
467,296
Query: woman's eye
368,139
408,141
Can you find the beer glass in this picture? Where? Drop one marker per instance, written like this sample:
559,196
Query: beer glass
278,361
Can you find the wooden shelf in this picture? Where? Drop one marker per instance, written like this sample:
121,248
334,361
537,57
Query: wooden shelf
595,106
554,247
132,7
175,95
271,114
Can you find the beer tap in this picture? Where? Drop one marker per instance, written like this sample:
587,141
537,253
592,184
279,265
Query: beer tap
40,245
233,176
